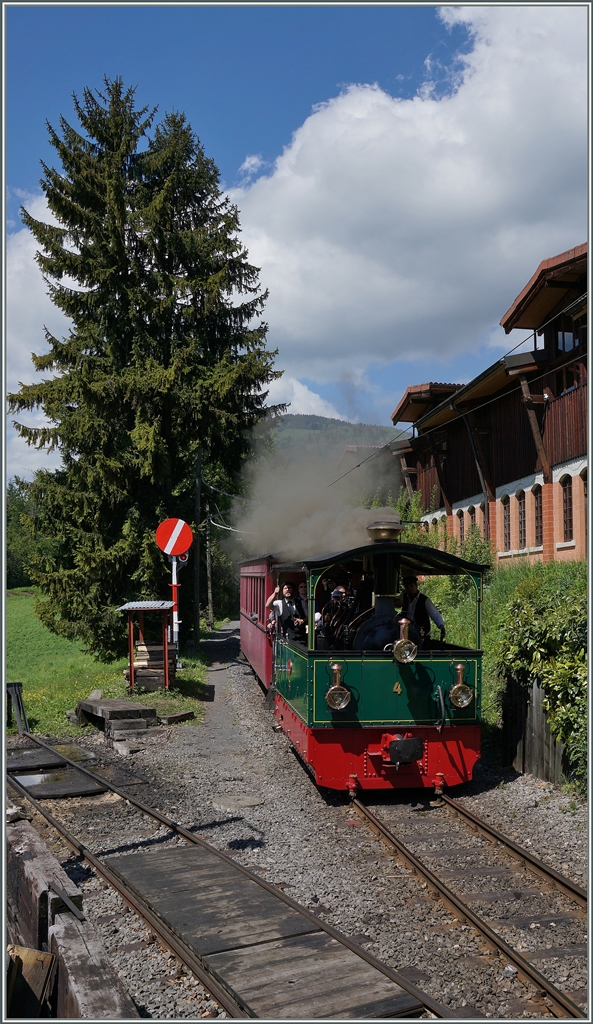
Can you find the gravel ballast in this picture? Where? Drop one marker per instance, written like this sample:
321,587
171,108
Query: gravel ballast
237,782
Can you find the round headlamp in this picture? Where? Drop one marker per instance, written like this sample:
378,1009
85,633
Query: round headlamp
404,651
461,695
337,698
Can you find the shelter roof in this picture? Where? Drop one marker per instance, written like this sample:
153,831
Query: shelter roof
146,606
416,559
556,282
419,398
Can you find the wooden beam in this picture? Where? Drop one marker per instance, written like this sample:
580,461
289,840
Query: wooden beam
439,469
406,476
535,399
479,458
537,437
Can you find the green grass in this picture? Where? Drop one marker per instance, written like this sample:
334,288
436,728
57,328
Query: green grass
56,673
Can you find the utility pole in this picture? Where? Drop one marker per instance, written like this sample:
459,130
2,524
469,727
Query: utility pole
198,497
209,568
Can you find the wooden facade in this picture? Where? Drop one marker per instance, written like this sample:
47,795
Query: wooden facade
508,450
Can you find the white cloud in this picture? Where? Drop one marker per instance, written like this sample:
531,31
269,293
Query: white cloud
251,165
28,308
405,228
300,399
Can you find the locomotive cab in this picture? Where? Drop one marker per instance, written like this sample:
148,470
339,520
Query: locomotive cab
367,702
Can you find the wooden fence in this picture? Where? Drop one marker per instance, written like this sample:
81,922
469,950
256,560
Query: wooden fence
528,744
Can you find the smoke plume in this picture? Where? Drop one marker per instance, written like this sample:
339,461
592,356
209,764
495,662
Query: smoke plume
301,509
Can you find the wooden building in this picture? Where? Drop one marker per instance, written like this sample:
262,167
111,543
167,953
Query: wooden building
508,451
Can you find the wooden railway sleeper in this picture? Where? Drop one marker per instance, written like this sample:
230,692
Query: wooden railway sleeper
561,1006
526,859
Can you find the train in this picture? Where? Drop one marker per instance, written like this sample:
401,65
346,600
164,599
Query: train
367,702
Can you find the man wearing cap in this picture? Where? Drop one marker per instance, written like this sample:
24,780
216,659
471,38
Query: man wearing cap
419,609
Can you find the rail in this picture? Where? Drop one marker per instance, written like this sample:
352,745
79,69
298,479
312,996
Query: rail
562,1006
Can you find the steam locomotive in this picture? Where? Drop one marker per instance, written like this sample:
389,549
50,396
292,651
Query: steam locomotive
367,703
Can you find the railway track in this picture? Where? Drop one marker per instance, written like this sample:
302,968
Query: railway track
380,990
480,852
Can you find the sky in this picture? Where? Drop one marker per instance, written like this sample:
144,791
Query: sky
400,172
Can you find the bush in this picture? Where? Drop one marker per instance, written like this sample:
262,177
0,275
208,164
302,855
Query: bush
548,641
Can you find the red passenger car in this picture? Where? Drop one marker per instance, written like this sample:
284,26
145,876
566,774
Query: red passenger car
256,642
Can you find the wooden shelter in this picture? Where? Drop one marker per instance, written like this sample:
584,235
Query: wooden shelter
153,666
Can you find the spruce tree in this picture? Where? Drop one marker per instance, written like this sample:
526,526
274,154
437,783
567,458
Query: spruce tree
166,353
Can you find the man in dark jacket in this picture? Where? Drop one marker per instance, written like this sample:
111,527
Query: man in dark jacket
419,609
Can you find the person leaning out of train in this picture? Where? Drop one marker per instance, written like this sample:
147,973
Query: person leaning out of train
419,609
288,613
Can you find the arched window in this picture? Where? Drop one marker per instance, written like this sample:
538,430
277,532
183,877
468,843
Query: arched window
566,484
521,512
506,522
461,518
485,510
472,516
584,479
538,515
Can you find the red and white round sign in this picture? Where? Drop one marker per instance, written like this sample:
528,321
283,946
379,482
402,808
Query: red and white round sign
174,537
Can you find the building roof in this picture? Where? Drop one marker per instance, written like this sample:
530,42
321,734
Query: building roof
419,399
557,281
487,383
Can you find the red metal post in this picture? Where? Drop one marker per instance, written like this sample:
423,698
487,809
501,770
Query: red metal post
165,652
131,648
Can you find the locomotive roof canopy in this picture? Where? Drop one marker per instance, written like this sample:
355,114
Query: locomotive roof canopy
414,559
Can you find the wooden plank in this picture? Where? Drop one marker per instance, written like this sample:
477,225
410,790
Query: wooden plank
217,919
483,871
26,760
179,716
31,870
208,903
519,921
558,952
88,987
120,777
310,977
29,759
59,782
255,943
504,894
28,981
453,851
115,708
174,870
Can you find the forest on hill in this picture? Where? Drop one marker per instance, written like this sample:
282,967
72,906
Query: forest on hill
324,436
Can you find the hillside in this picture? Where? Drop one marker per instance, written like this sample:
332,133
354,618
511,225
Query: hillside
324,436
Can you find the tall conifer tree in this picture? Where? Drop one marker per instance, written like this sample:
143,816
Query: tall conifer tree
166,353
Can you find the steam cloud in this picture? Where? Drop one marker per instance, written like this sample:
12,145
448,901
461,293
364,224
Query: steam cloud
299,515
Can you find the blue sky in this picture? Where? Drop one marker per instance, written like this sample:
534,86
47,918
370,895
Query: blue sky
400,171
246,77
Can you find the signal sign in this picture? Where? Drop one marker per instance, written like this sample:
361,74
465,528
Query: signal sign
174,537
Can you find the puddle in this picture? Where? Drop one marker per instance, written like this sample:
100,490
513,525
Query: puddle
74,752
43,778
